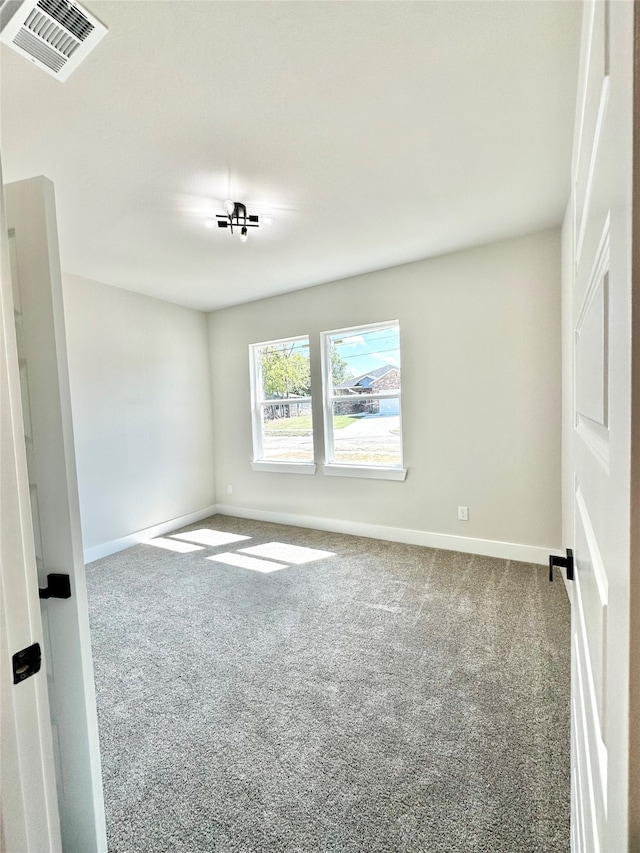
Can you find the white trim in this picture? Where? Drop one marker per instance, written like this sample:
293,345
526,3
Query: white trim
599,270
304,337
106,548
284,467
595,145
597,562
449,542
584,696
367,327
580,723
579,781
369,472
592,434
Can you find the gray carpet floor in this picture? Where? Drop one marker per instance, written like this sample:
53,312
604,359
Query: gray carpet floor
385,698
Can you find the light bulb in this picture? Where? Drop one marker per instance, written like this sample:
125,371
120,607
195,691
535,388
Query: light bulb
243,234
229,206
210,223
266,220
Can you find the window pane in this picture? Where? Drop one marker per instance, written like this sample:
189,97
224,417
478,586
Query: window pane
365,361
287,432
367,432
285,369
282,385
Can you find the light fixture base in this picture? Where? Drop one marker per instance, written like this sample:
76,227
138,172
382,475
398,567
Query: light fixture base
236,215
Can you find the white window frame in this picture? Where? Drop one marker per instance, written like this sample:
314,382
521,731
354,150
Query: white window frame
258,402
352,469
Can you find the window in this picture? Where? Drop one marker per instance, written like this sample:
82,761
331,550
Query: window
281,403
362,413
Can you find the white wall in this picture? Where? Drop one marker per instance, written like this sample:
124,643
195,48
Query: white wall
480,337
141,401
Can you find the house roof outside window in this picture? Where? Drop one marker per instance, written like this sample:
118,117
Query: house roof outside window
367,381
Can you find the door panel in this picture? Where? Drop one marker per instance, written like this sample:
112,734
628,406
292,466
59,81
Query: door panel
55,510
592,587
600,446
592,349
593,108
28,801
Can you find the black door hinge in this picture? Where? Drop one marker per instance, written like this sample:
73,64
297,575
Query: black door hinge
58,586
564,562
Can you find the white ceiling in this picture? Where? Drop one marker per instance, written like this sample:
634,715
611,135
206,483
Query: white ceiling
375,133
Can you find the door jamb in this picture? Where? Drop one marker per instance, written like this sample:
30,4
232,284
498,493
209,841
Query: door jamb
634,562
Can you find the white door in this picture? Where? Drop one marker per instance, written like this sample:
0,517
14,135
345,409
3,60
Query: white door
41,344
600,444
28,802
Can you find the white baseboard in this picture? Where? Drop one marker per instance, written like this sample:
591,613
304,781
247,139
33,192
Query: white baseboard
98,551
468,545
449,542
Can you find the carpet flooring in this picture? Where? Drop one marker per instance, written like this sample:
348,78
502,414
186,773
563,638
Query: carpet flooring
377,698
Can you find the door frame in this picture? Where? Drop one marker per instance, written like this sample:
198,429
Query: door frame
634,568
29,816
54,506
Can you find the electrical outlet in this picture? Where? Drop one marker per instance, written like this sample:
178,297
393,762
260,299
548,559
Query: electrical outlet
229,490
463,513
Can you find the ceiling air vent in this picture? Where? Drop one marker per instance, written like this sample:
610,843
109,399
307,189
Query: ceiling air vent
56,35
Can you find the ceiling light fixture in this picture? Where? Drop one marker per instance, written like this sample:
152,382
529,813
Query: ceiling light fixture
237,215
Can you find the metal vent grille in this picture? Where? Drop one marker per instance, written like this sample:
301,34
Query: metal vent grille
55,35
71,18
41,51
51,33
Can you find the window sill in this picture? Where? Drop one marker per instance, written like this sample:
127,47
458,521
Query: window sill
284,467
369,472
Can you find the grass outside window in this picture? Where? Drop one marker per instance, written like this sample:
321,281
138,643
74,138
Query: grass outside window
301,424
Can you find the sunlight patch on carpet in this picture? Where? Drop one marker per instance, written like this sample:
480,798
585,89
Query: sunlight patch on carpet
213,538
172,545
264,566
290,553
